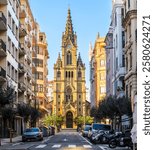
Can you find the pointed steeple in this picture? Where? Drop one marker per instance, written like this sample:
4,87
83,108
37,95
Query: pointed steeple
69,32
69,26
79,61
59,61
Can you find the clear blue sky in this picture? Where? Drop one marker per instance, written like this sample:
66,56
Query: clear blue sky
88,16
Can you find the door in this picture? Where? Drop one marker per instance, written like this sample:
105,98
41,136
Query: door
69,120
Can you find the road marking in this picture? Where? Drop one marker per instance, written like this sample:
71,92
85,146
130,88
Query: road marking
85,139
16,144
41,146
103,148
72,146
65,140
56,146
87,146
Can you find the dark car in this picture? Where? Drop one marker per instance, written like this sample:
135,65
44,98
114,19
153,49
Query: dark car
52,130
98,127
32,134
86,130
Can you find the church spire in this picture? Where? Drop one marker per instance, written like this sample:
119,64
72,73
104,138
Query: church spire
69,26
69,34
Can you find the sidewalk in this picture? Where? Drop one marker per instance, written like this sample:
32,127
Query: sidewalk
6,141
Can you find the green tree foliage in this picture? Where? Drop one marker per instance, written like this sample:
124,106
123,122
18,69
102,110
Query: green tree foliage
111,107
53,120
80,120
24,110
7,96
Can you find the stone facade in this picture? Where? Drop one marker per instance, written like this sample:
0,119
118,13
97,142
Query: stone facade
69,79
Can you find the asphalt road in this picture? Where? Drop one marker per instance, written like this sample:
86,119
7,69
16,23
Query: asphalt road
69,140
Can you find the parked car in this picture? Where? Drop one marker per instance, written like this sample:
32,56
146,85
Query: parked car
32,134
51,130
97,127
86,130
45,131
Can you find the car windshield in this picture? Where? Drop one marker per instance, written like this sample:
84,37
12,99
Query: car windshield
101,127
87,128
32,130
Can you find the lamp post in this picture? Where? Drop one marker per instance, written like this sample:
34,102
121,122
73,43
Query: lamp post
84,115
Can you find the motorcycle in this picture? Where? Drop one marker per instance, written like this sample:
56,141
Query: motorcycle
121,142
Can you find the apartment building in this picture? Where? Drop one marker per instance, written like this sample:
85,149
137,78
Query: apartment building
99,69
50,89
130,26
40,71
92,75
25,53
109,62
118,48
9,45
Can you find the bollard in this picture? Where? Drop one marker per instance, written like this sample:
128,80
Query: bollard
11,132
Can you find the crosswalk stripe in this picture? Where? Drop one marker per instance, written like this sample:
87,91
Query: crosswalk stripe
103,148
56,146
41,146
87,146
71,146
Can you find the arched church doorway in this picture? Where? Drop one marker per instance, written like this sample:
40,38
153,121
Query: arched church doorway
69,119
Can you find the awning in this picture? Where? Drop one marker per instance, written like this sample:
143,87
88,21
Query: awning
134,133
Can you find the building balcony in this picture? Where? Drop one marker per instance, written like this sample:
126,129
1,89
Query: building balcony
21,87
28,42
2,48
28,58
22,51
29,75
22,31
2,74
120,72
129,15
3,25
3,2
22,13
22,68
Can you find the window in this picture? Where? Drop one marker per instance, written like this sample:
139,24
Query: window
69,58
8,68
9,45
136,35
13,26
126,64
38,62
123,39
9,19
39,75
41,38
39,51
72,74
116,41
39,88
123,60
102,63
58,74
115,19
116,62
122,12
128,3
130,56
102,89
79,74
58,96
79,96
